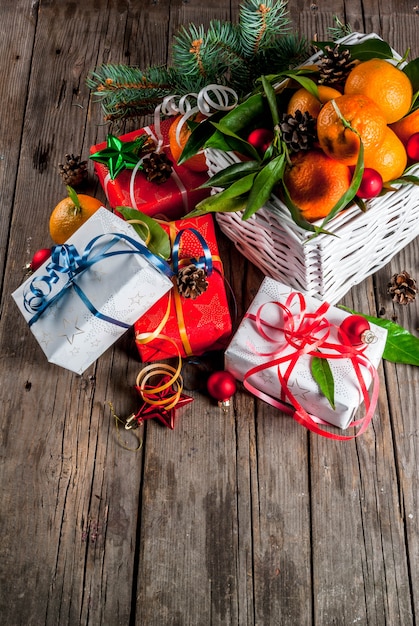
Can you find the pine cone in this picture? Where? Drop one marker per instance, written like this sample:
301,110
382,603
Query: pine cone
157,167
335,66
191,281
298,131
73,171
402,288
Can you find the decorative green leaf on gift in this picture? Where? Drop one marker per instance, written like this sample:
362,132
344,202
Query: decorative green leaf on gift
226,177
155,237
322,374
401,346
263,185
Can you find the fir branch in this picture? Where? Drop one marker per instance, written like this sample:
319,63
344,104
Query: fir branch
260,24
340,29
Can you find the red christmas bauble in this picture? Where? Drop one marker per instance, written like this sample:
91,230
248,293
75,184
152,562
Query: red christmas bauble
221,386
39,258
371,184
412,147
356,330
261,138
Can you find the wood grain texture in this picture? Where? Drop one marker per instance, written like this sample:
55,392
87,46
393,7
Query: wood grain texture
241,518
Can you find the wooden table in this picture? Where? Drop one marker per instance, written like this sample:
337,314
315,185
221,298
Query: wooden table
243,518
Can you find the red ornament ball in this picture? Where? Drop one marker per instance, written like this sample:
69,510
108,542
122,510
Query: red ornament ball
221,386
39,258
261,138
412,147
371,184
356,330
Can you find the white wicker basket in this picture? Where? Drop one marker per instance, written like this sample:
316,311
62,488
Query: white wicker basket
327,266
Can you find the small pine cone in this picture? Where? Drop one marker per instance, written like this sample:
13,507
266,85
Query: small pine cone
157,167
191,281
298,131
335,66
73,171
402,288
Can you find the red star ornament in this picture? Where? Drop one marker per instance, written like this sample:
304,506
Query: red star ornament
155,411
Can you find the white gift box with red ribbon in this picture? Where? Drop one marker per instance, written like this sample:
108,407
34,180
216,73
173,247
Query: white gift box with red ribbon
272,352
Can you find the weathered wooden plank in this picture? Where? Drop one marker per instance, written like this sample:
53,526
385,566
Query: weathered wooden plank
18,23
62,500
242,518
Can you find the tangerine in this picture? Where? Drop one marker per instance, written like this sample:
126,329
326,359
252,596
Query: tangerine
178,136
366,121
70,213
389,159
406,127
303,100
384,83
316,183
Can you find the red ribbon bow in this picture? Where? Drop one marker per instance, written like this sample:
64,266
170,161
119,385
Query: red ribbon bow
306,333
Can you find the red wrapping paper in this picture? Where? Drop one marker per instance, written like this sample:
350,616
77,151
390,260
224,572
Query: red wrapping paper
171,200
204,323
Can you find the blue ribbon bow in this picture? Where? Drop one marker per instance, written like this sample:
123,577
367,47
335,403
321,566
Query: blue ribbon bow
65,260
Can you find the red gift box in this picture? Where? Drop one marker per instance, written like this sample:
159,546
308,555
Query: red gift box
194,326
172,199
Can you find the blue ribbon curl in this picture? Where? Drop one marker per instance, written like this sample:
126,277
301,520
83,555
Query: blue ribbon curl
204,262
65,260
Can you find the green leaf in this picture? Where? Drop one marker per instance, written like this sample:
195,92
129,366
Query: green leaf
263,185
224,205
198,137
271,98
401,346
305,82
236,143
231,199
72,194
369,49
322,374
150,231
412,72
232,173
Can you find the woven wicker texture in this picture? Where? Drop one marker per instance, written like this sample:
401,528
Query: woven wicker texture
326,266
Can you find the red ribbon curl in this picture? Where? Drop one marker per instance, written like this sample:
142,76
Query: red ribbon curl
307,333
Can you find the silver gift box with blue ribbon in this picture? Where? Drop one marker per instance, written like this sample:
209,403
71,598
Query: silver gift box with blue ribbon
92,289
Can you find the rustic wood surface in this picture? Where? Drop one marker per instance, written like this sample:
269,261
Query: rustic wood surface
244,518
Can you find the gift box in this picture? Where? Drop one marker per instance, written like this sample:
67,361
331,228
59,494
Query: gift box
324,266
193,326
91,290
171,199
273,348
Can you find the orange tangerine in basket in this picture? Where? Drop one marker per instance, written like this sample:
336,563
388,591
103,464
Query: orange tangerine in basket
303,100
384,83
389,159
406,127
316,182
177,142
341,142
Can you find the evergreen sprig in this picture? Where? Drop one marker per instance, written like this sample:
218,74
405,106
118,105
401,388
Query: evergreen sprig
229,54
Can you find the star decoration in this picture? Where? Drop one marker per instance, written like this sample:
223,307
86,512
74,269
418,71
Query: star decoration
155,411
119,155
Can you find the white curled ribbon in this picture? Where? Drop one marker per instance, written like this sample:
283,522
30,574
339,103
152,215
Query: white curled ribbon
207,101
